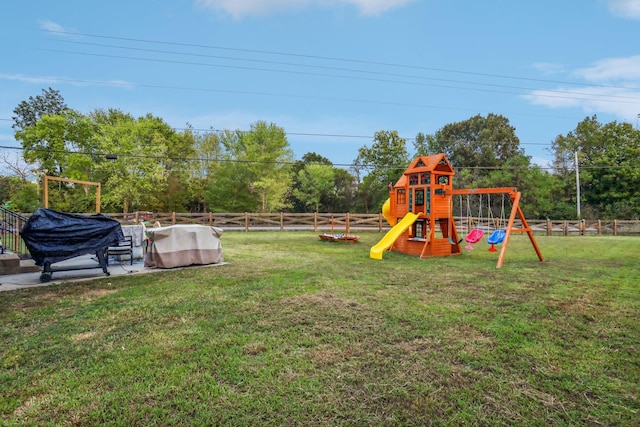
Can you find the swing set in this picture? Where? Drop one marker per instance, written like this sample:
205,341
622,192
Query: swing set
497,224
503,231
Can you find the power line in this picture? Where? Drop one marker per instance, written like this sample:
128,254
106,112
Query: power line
329,58
578,96
315,134
368,72
284,163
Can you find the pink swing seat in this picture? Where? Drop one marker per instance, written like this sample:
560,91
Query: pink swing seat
474,236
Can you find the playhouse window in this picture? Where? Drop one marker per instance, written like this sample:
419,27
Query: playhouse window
419,197
427,208
401,196
413,179
419,229
443,180
425,178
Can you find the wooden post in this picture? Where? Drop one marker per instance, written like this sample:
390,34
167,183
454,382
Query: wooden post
246,221
281,221
525,228
315,222
173,218
210,219
615,227
98,198
45,192
599,227
347,224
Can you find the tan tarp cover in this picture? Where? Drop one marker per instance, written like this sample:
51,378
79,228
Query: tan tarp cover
183,245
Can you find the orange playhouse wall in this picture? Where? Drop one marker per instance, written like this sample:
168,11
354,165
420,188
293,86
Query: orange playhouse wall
438,247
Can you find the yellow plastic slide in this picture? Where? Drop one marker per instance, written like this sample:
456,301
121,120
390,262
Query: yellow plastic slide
392,235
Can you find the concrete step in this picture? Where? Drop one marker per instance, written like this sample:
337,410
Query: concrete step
12,264
28,266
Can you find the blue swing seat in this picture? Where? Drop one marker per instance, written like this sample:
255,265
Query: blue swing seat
496,237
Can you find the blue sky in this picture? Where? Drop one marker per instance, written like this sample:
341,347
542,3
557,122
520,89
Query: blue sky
330,72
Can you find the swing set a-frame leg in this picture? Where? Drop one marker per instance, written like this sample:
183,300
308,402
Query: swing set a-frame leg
525,229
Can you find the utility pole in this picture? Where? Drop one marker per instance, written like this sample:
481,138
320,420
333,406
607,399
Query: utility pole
577,183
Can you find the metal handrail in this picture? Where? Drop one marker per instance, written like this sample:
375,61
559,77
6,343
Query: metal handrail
10,225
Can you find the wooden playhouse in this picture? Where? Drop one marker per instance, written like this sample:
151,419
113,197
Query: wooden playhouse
420,211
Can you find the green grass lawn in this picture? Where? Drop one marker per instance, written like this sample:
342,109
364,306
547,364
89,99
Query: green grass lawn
299,331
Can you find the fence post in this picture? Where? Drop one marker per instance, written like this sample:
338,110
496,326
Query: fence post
315,222
347,225
379,223
549,227
281,221
246,221
599,228
565,228
615,227
210,219
173,218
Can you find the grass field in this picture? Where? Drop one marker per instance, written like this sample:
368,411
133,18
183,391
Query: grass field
299,331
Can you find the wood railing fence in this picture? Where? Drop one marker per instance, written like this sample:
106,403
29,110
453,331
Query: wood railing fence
349,222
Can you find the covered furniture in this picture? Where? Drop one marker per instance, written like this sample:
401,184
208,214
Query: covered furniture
53,237
183,245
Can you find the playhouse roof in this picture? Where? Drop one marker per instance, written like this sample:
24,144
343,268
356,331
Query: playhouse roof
434,162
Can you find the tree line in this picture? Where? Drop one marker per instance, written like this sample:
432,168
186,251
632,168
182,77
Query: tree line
143,164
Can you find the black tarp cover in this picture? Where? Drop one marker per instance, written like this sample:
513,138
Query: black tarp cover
53,236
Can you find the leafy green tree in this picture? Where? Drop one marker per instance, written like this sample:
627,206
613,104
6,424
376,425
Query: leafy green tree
480,143
177,162
133,167
57,144
255,173
343,193
536,185
608,164
316,181
8,187
207,159
380,165
18,195
28,112
424,144
339,198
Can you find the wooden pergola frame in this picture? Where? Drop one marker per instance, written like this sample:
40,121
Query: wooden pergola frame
45,185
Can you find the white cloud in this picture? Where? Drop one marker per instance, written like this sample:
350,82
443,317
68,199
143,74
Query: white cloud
28,79
47,80
612,86
549,68
612,69
621,102
629,9
54,27
241,8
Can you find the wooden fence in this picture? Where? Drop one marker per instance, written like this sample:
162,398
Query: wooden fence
348,222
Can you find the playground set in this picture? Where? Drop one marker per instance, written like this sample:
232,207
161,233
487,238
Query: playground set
420,212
